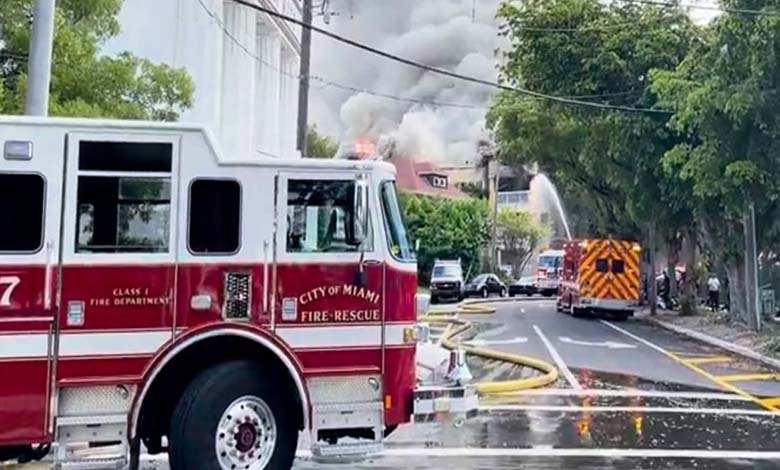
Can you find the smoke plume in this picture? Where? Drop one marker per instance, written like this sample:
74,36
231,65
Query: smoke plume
457,35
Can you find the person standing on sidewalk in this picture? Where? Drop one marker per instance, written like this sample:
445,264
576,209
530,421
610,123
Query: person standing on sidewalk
713,286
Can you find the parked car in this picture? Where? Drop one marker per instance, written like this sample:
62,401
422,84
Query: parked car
484,285
446,281
523,286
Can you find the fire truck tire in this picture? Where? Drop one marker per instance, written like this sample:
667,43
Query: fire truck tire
232,416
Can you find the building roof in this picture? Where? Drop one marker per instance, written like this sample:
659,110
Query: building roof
424,178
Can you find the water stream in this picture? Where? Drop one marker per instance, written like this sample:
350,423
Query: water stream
544,193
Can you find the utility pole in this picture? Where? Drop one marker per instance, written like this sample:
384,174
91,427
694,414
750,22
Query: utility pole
652,287
39,68
303,89
751,270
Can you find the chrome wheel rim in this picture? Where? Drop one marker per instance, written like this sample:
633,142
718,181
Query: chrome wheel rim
246,435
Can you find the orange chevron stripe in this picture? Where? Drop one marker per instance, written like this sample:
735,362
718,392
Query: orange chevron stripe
621,290
600,247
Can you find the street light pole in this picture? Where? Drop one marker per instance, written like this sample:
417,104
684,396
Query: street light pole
39,68
303,89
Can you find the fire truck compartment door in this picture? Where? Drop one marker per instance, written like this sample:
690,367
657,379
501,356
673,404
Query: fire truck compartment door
30,194
323,277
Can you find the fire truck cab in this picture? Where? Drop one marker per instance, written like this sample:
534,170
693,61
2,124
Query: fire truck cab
600,275
155,291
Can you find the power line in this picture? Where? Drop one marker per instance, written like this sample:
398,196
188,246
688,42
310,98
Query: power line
694,6
447,73
326,82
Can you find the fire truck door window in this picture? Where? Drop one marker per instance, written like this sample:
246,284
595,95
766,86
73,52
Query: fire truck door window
618,266
21,212
397,237
319,217
123,215
215,216
602,265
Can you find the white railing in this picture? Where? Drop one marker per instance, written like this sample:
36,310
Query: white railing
517,200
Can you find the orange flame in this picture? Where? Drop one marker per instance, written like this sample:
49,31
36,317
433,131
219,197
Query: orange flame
365,148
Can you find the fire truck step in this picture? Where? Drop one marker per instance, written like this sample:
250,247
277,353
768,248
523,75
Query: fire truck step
93,464
91,442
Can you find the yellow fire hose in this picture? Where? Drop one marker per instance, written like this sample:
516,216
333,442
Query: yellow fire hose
456,327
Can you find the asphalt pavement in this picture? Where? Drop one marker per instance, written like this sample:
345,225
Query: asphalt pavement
630,396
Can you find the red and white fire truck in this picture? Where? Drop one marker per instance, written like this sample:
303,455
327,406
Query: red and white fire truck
549,270
154,291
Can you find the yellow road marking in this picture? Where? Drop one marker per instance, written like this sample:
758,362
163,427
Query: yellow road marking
709,360
771,401
718,380
748,377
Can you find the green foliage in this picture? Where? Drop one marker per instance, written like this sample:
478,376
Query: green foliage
725,95
446,229
320,146
597,158
84,82
521,234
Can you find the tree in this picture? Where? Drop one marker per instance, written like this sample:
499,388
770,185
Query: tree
607,164
446,229
725,95
84,82
320,146
520,235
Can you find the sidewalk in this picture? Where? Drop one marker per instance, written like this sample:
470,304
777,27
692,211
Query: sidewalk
716,329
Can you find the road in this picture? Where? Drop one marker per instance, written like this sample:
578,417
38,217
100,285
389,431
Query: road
630,396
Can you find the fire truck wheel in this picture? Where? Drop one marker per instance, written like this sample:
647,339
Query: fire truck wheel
233,417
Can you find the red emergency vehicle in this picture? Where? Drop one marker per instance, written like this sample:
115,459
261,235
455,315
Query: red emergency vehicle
156,291
600,275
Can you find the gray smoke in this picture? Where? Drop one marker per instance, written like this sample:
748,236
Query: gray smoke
439,33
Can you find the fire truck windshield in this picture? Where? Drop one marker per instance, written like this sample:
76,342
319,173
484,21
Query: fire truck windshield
550,261
397,237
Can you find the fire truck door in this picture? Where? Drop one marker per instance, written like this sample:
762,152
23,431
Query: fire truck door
328,287
30,191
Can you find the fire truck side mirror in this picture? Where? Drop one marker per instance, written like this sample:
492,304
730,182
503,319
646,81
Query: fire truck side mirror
360,230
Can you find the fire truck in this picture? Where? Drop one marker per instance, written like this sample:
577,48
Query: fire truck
157,294
600,276
549,268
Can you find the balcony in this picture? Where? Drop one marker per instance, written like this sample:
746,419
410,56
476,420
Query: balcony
514,200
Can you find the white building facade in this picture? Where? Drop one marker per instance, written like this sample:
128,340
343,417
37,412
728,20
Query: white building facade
245,65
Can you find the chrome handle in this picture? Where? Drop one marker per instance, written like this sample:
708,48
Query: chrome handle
265,276
47,273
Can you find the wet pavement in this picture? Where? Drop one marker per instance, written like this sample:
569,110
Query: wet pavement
631,396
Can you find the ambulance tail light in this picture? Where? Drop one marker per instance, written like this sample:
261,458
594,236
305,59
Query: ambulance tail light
238,296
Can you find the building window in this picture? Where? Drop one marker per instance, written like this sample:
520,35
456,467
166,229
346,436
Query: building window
438,181
21,212
124,198
215,216
320,217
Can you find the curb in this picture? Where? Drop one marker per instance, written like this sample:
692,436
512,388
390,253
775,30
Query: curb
717,342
